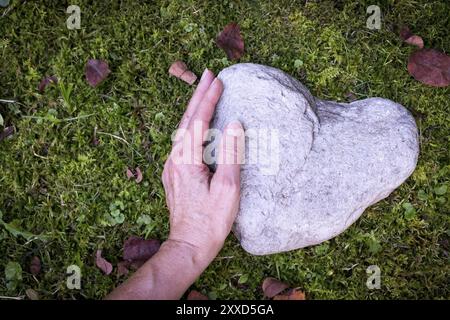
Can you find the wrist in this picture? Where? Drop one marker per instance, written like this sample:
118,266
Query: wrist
197,258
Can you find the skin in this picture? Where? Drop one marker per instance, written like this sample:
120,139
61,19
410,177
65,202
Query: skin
202,205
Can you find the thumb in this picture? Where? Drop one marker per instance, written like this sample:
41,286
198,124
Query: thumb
231,153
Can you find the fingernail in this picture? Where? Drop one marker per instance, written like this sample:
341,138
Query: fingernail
215,82
234,127
204,74
235,123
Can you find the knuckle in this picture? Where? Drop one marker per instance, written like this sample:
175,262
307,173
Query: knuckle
229,184
176,171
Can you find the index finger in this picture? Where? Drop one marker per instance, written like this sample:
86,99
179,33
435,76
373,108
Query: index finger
200,120
205,81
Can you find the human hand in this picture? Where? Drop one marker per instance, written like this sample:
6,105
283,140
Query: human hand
203,205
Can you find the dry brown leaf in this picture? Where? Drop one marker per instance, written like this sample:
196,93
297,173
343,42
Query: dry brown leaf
96,71
136,173
8,131
102,263
430,66
411,38
415,41
230,40
130,174
271,287
32,294
195,295
122,268
405,33
293,294
137,250
47,81
35,266
180,70
350,96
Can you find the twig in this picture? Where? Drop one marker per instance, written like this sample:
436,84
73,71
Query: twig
12,298
120,139
7,101
225,257
61,120
114,136
79,117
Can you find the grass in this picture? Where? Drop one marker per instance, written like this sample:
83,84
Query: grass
56,184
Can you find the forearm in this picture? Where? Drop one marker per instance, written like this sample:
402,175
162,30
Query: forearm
167,275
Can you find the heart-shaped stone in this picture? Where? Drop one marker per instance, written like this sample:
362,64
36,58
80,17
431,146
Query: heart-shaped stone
311,166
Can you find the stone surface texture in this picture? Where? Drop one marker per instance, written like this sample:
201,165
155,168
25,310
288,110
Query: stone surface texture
334,159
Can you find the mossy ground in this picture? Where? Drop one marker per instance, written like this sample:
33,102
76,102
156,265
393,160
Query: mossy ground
54,182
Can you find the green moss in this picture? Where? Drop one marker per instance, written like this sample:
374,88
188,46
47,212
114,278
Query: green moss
55,183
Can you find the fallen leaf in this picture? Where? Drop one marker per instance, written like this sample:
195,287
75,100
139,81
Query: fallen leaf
35,266
102,263
230,40
138,175
95,141
180,70
122,268
138,250
96,71
350,96
130,174
405,33
430,67
8,131
195,295
293,294
46,81
415,41
271,287
411,38
32,294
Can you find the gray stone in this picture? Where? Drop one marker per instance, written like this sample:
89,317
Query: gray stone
334,159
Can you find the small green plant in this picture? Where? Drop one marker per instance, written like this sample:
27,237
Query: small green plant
410,211
321,249
243,279
146,221
15,230
115,215
52,116
13,275
298,63
66,91
372,243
